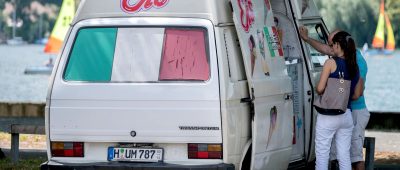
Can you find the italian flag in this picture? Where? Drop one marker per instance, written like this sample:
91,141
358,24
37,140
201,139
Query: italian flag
274,46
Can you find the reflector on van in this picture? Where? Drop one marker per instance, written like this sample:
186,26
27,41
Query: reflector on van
204,151
67,149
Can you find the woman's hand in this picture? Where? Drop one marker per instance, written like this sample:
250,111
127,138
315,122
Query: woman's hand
359,90
303,33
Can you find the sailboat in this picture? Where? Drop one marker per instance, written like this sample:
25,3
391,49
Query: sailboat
379,38
57,35
60,29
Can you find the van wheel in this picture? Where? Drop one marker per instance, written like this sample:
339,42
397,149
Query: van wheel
247,160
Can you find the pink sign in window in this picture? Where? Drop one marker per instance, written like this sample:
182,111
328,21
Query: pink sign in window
184,55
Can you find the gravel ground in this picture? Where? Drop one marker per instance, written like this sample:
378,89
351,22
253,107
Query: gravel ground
387,146
385,141
392,158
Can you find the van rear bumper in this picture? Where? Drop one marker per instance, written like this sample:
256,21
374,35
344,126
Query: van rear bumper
131,166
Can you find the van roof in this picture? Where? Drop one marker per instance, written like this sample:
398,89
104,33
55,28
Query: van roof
218,11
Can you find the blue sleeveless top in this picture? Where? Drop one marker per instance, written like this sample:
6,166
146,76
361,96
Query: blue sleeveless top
341,65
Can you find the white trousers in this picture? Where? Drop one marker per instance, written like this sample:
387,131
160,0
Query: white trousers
328,126
360,121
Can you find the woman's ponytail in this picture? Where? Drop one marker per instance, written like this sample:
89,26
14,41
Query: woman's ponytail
348,45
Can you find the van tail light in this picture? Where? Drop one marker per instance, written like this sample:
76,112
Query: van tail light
204,151
67,149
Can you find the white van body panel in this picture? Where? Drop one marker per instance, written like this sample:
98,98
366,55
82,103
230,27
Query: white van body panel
296,69
235,114
157,104
218,11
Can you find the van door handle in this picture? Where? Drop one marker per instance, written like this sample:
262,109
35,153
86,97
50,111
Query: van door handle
246,100
288,96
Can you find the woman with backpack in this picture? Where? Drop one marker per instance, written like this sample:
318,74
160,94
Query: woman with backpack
339,84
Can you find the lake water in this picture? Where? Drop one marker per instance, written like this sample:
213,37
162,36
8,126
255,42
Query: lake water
15,86
382,88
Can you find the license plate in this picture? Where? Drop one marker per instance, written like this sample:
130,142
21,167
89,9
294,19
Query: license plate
135,154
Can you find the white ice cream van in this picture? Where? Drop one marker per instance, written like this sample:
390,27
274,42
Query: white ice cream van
185,84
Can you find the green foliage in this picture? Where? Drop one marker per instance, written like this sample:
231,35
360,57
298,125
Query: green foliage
358,17
30,30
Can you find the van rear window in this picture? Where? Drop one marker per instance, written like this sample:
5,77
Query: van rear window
139,54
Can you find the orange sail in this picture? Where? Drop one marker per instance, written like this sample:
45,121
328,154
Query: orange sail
390,44
60,29
379,38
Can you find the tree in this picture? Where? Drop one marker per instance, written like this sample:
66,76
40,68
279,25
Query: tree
30,29
358,17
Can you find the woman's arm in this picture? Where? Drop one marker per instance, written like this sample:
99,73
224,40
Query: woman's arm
324,75
320,47
359,90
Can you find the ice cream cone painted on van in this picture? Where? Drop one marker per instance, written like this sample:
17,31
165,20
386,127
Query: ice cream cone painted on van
273,116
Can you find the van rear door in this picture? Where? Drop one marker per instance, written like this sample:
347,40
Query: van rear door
156,77
307,13
269,84
315,61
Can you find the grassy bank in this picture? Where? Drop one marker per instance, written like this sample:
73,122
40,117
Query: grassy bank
24,164
26,142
